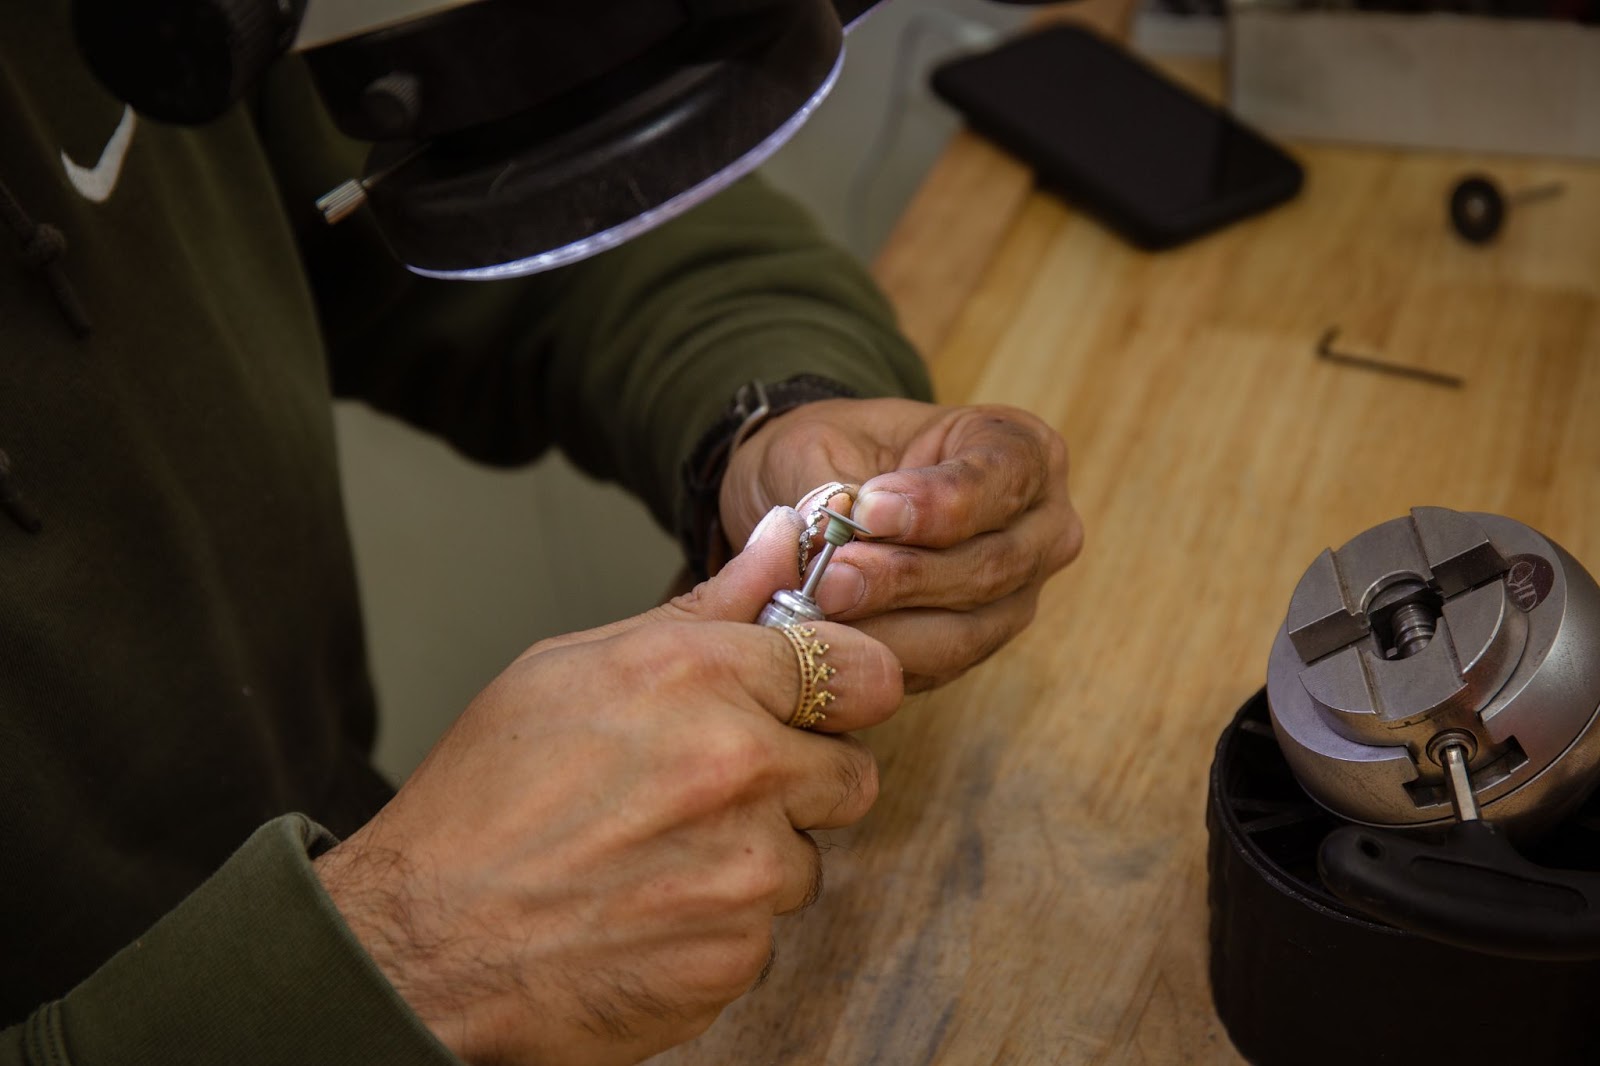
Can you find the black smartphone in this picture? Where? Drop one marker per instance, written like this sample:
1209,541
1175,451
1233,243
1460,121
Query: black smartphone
1149,158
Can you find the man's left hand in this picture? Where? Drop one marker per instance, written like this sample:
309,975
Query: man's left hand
968,505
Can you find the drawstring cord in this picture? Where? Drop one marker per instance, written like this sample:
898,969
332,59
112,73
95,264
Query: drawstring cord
43,245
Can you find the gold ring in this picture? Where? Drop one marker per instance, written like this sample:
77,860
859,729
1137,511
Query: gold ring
813,673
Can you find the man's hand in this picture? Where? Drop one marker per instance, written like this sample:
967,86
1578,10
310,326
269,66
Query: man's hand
586,867
969,503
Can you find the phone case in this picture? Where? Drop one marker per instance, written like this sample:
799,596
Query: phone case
1016,94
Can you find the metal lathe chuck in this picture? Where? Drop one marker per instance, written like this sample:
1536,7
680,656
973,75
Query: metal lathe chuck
1407,809
1437,666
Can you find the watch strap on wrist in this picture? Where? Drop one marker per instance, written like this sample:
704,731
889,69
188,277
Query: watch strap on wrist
754,404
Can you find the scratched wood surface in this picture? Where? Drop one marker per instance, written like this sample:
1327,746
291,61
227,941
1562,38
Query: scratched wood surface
1031,885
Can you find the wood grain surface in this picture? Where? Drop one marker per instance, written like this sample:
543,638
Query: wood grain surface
1031,885
943,243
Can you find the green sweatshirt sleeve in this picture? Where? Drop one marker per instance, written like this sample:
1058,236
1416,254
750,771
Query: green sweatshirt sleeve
256,966
623,361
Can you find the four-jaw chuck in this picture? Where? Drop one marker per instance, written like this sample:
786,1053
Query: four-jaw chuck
1435,647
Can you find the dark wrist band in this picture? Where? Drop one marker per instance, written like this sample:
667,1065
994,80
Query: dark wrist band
753,405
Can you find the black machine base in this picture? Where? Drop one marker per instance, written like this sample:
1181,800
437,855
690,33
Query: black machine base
1301,980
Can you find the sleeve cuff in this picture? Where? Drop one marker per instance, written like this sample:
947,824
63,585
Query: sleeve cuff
772,354
255,967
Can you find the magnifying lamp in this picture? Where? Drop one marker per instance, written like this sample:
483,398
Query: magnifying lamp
509,136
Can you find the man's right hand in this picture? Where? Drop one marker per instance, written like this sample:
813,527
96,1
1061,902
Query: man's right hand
586,867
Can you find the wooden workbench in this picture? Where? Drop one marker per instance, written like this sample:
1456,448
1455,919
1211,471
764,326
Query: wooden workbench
1031,885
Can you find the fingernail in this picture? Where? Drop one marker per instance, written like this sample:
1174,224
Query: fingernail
767,521
842,588
887,514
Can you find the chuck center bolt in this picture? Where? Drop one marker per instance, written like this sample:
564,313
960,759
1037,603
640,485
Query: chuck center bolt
1412,627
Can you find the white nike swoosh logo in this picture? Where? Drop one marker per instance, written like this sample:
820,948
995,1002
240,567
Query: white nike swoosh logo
96,183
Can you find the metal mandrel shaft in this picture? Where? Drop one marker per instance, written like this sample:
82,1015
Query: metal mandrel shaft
841,530
1455,770
809,590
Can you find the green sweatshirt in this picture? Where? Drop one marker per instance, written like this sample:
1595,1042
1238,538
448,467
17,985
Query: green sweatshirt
181,654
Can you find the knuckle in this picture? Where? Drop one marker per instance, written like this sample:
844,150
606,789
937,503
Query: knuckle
1067,544
957,486
990,462
670,652
696,1023
727,762
814,871
1057,454
962,511
1041,434
972,638
688,602
1009,414
1002,569
1017,426
539,648
747,961
1002,489
859,782
758,878
907,572
885,675
1071,545
993,635
806,435
738,750
1040,565
867,782
1001,417
723,970
1027,608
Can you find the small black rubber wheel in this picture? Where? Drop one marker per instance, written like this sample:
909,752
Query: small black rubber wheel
1477,209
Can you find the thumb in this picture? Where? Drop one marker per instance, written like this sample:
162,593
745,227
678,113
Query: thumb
768,562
